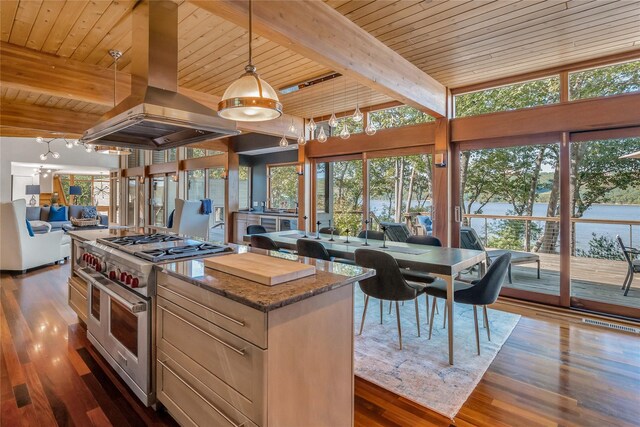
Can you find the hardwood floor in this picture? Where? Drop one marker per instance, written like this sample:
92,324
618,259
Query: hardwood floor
549,372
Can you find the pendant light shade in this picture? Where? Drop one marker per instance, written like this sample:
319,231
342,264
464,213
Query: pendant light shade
322,136
250,99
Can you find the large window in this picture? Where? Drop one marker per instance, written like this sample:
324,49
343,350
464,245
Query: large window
95,189
164,156
605,203
163,199
282,186
244,176
510,201
505,98
403,115
194,153
605,81
135,159
195,184
400,190
343,195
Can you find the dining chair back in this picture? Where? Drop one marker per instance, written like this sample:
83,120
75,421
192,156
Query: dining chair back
371,235
486,290
327,230
263,242
312,249
256,229
388,283
424,240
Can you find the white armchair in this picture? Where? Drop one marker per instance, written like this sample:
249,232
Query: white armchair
18,250
188,221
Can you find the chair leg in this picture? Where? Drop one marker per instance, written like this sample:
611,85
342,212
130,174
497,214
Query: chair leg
417,317
426,297
436,305
538,261
510,281
381,312
399,327
390,307
433,311
629,284
475,323
444,320
486,321
364,313
626,279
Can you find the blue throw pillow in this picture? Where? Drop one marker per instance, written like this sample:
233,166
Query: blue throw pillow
89,212
58,214
29,229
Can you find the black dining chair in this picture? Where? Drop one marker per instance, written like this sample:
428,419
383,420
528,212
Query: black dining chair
387,285
314,249
482,292
421,276
256,229
424,240
371,235
263,242
327,230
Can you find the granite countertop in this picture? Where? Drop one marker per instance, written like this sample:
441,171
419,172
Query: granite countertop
329,275
90,235
270,213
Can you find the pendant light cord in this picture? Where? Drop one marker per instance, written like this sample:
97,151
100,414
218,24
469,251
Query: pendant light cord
250,30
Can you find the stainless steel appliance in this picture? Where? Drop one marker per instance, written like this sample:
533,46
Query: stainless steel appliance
121,292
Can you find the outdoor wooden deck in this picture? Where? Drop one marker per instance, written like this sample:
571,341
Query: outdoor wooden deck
592,279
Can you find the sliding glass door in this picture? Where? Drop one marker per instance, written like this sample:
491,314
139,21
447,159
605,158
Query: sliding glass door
510,201
340,194
605,215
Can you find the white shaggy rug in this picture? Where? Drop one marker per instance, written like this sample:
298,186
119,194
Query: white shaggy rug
420,371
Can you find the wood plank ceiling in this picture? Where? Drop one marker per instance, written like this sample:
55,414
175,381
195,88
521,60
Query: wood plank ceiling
458,42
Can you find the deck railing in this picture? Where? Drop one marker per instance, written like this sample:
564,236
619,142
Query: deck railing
529,219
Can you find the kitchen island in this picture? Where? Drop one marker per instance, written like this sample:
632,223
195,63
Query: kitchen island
234,352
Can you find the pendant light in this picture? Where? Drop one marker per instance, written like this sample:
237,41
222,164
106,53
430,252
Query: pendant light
344,134
357,115
283,141
333,121
370,129
292,126
250,99
322,136
301,139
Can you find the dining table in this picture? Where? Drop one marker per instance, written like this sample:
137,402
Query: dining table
446,263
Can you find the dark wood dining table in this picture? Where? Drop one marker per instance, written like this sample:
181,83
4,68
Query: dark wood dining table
445,263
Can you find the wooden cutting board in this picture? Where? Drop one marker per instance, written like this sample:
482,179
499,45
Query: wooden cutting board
263,269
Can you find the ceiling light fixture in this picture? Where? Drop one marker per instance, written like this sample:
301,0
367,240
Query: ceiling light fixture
250,99
357,115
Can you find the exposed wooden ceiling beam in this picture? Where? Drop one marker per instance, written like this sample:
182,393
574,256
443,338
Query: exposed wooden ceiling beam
33,71
36,120
317,31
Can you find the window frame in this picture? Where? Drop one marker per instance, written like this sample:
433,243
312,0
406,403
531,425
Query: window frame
268,176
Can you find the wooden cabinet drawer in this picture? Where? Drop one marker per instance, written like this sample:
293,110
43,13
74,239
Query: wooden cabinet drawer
236,318
190,402
230,360
78,303
79,284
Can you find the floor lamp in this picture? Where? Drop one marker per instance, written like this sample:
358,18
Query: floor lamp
75,190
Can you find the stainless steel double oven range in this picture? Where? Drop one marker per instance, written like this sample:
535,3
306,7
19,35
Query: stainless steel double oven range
121,297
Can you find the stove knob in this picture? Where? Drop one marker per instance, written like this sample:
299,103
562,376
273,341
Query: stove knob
129,279
112,275
135,282
98,266
84,257
123,276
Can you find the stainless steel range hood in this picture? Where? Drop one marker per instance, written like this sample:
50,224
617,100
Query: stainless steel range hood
155,116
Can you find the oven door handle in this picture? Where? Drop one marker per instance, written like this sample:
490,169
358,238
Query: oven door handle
131,303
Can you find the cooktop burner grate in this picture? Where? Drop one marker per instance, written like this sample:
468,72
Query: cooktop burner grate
179,252
141,239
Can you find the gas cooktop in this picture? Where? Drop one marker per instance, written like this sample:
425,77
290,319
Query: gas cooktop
189,250
140,239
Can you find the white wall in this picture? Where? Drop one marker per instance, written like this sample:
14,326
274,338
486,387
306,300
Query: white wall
27,150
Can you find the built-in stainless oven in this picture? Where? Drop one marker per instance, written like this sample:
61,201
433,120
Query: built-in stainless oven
119,326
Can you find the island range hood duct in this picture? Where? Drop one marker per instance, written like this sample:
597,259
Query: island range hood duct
155,116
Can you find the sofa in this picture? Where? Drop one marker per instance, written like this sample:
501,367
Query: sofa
20,251
41,213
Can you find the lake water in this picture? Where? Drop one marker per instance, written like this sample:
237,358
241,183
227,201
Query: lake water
583,231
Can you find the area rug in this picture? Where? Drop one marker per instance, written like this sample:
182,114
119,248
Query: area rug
420,371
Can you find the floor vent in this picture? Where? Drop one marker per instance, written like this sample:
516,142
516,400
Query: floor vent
611,326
